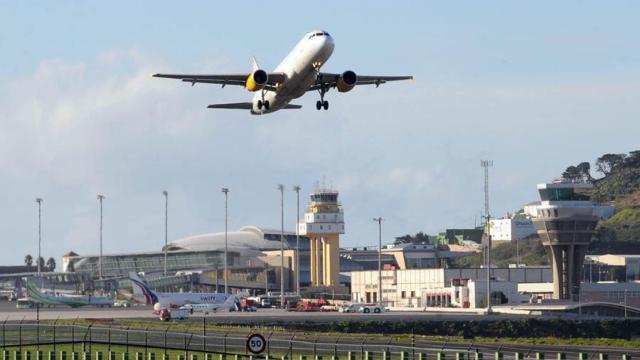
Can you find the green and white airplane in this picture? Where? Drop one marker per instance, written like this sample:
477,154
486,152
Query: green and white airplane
66,300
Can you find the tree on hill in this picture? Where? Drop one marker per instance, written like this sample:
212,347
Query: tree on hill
607,163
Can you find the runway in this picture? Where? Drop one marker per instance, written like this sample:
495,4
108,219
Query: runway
9,312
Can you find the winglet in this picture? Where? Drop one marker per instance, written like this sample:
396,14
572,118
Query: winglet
254,64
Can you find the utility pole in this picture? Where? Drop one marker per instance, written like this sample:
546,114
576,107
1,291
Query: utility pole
485,164
281,188
39,201
226,245
379,221
166,228
100,198
297,190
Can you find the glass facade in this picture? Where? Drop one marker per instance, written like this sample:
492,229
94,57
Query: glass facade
562,194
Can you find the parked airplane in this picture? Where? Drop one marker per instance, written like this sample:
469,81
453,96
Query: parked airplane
67,300
141,290
298,73
207,308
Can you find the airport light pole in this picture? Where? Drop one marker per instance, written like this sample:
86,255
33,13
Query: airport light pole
379,221
39,201
100,198
281,188
485,164
166,227
297,190
226,248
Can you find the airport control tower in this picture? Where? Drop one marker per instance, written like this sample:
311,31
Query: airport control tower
565,221
323,223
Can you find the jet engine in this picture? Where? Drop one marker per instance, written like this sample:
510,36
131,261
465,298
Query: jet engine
346,81
256,80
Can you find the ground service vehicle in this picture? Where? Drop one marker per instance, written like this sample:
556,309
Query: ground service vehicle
370,309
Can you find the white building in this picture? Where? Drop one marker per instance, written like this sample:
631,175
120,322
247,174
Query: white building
511,228
442,287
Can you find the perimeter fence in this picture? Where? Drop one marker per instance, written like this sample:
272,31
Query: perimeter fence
23,337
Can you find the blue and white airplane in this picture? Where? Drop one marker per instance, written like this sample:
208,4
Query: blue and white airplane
297,74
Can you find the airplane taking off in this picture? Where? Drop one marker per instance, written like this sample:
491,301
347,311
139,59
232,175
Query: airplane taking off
298,73
67,300
141,290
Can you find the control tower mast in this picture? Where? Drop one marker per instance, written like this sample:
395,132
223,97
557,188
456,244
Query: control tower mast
323,223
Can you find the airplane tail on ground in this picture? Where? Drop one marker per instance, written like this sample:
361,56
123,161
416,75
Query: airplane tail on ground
141,290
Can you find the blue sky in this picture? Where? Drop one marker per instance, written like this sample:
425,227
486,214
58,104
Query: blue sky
535,87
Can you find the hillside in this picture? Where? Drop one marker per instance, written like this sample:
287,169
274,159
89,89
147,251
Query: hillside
531,253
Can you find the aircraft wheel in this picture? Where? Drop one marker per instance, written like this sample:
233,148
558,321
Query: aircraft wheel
325,105
266,104
318,104
259,104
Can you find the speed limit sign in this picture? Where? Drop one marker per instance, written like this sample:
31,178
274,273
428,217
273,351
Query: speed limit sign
256,343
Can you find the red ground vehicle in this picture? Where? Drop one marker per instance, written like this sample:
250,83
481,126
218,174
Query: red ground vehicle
311,304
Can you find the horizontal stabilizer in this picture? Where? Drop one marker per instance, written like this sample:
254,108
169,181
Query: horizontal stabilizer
292,106
242,105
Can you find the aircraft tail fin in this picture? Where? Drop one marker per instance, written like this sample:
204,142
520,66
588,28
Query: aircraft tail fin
254,64
141,290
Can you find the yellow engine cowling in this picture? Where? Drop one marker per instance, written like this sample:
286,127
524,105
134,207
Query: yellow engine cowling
256,80
346,81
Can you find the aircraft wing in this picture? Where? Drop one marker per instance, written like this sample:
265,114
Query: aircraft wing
225,79
246,106
330,80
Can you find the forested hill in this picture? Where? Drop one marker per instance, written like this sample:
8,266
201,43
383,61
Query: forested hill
619,185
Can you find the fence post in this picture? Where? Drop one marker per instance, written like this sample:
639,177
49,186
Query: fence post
368,355
52,355
519,356
75,355
194,356
499,355
86,355
562,356
151,356
63,355
540,356
479,355
112,355
99,355
422,356
626,357
404,355
459,356
440,356
17,355
386,355
603,356
125,355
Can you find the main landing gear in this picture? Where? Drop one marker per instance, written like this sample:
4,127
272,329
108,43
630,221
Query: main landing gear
263,103
322,103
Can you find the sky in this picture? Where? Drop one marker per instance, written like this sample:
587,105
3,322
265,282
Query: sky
533,86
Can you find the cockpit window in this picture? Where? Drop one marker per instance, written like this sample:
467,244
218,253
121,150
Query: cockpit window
319,34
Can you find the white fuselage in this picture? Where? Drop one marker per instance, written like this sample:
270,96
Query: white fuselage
300,68
181,299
